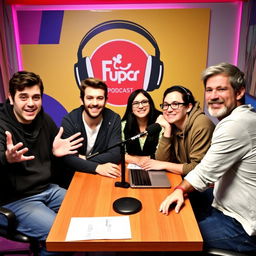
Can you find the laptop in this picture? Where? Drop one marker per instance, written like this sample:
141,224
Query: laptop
140,178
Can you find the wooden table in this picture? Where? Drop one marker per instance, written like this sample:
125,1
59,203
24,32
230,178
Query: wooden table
93,196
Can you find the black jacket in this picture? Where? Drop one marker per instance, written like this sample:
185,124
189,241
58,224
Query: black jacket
19,180
109,135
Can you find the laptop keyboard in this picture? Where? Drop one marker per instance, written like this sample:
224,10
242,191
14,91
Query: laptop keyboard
140,177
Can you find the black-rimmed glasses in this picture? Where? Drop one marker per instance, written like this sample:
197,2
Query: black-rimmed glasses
144,103
174,105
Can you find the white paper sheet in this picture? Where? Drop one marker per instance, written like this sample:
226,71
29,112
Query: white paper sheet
89,228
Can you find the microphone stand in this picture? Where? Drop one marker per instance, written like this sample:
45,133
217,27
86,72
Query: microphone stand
122,183
127,205
123,205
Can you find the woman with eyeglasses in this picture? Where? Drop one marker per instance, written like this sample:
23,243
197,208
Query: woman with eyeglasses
185,140
140,113
187,133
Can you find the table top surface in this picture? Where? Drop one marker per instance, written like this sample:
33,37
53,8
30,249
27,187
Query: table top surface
93,196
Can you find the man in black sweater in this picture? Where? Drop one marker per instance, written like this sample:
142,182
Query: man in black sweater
30,144
99,126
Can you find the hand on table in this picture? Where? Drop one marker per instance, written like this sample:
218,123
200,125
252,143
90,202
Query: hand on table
175,198
109,170
151,164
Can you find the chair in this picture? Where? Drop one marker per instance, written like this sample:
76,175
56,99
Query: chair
221,252
9,232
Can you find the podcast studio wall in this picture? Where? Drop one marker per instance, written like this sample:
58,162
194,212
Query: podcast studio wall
151,48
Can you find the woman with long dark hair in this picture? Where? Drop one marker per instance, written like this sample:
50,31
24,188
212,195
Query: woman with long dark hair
140,113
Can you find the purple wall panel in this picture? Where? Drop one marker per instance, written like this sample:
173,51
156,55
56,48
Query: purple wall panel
51,27
29,26
40,27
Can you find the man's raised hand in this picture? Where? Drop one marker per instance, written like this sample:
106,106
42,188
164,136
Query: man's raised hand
68,146
15,153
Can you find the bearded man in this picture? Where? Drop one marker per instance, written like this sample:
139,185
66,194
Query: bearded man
101,129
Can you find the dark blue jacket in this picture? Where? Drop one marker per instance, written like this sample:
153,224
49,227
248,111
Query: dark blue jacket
109,135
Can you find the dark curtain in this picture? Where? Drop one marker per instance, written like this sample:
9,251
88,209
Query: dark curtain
8,56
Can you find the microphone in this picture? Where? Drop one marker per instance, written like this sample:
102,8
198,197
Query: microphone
154,128
151,130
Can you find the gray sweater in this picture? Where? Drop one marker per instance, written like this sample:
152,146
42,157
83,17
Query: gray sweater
230,163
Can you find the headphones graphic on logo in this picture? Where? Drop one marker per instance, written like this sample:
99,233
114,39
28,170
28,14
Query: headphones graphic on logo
154,67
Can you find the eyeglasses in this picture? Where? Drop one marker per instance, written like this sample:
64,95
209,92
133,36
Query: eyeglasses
174,105
136,104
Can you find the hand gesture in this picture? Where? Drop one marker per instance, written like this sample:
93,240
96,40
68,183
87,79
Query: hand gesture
109,170
176,197
68,146
14,153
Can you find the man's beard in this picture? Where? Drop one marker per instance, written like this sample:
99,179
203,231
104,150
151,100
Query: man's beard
219,113
86,109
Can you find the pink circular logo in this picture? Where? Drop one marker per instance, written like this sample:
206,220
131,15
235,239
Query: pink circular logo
122,65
